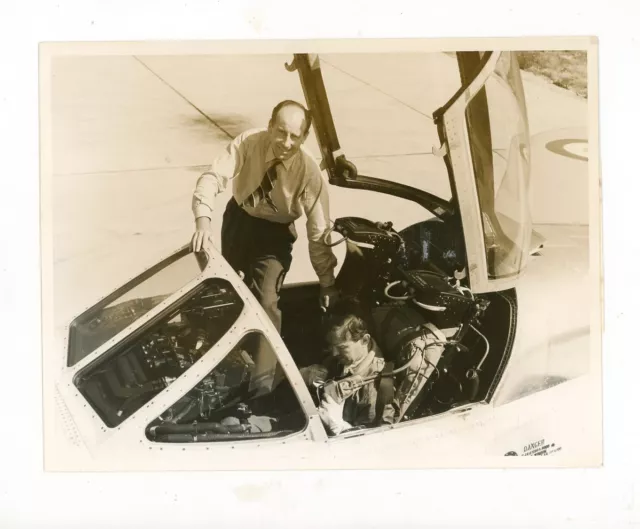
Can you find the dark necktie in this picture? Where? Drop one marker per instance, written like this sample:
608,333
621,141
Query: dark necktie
263,192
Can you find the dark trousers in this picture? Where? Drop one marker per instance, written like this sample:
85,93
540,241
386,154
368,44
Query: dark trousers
262,251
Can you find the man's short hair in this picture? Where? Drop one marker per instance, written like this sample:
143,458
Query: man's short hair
290,102
348,320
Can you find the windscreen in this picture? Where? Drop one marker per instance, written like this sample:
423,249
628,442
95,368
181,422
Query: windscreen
245,396
134,371
119,310
499,141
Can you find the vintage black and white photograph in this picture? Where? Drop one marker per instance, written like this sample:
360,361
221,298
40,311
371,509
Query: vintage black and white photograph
325,255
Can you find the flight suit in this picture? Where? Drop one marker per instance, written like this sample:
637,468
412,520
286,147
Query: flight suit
412,344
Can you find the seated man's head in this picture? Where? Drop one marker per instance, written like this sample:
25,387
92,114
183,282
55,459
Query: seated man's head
347,334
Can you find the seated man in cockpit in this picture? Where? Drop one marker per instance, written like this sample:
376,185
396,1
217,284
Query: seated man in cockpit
352,392
357,386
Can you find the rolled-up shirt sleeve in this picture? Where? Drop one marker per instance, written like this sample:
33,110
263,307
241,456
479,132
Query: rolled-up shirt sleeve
315,199
214,180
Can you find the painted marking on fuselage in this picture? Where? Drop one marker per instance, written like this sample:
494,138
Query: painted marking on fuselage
571,148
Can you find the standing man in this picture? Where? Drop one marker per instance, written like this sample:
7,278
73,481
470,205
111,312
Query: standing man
274,181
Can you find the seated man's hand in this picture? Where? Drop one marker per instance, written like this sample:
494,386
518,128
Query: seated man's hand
330,413
315,373
328,296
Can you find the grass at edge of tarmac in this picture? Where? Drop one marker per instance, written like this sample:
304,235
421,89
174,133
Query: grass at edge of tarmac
567,69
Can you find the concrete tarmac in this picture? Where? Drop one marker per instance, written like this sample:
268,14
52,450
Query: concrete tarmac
130,135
